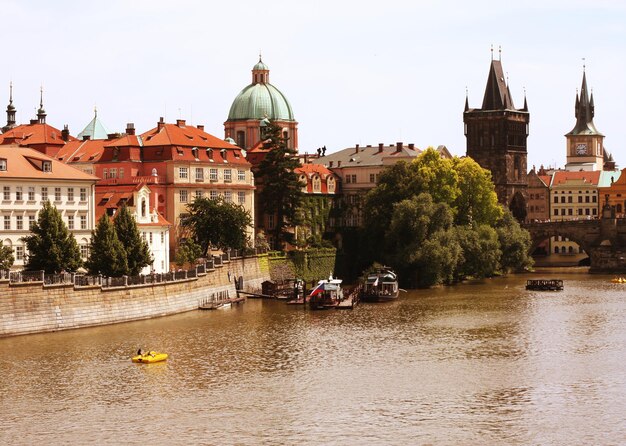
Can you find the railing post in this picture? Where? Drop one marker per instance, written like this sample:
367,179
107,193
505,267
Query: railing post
43,276
125,280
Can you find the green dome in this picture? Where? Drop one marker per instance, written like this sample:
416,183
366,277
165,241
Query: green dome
259,100
261,66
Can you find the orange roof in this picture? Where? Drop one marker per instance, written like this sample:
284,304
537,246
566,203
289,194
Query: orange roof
183,135
88,151
27,134
310,170
545,178
24,162
562,176
112,197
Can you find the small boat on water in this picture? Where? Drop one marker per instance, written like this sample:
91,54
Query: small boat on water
327,294
381,285
544,284
150,357
618,280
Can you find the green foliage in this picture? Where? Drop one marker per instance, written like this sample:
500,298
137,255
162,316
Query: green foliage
6,257
107,254
51,246
313,219
215,222
433,219
515,244
280,188
137,251
188,252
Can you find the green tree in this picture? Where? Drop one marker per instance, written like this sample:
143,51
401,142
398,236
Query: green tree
515,244
188,252
6,258
51,246
107,254
215,222
137,251
280,190
481,251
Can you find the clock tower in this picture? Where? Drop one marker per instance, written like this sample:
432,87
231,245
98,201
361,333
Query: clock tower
585,149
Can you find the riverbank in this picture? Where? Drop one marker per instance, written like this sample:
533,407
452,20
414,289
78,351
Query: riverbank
36,307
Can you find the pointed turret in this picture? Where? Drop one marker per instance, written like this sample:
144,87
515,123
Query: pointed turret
10,111
525,108
584,112
466,101
41,113
497,96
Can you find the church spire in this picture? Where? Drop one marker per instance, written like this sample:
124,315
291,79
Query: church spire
497,94
584,111
10,111
41,113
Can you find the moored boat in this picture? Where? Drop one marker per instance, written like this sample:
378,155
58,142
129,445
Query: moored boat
380,285
327,294
150,357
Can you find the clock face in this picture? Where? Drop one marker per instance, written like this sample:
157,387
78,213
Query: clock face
581,149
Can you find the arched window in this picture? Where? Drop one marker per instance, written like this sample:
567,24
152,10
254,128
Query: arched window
570,250
317,184
241,139
556,249
563,250
331,185
143,207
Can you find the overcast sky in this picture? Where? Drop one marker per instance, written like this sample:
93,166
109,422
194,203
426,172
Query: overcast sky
355,72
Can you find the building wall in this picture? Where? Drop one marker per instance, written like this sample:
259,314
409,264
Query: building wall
33,308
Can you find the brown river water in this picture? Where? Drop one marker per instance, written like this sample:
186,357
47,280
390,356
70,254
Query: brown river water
474,364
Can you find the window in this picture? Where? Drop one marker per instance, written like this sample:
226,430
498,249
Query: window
199,193
570,211
47,166
580,211
182,196
562,199
241,197
121,172
587,211
270,222
70,194
113,172
594,211
3,165
143,236
228,176
44,194
213,174
587,199
57,194
105,173
83,222
241,139
19,253
348,179
7,193
373,178
317,184
7,222
162,237
31,193
70,222
593,199
31,221
150,236
19,222
213,195
241,175
353,178
199,174
228,196
569,199
580,198
183,173
83,194
556,212
18,193
143,207
556,199
84,251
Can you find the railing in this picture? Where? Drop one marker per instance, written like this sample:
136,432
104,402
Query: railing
58,279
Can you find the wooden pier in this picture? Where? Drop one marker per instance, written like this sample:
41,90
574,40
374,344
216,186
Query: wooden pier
220,300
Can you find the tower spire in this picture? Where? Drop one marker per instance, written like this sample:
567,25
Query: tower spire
41,113
10,111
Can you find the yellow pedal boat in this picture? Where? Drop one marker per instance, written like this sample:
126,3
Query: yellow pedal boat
618,280
150,357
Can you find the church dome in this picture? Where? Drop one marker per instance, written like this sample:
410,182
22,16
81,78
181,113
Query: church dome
260,99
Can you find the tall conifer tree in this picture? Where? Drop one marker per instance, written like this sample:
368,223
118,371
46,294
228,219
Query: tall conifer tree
107,255
137,251
281,190
51,246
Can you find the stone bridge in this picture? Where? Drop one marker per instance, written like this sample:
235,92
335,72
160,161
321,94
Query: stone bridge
603,239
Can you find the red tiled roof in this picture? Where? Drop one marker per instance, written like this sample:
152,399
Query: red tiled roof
24,162
591,177
27,134
545,178
88,151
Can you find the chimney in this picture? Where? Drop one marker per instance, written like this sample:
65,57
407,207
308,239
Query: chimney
180,123
200,127
398,147
411,146
65,133
111,136
160,124
356,148
33,121
130,128
86,137
306,157
380,147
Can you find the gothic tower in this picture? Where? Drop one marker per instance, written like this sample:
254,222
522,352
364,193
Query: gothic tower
10,112
496,137
585,150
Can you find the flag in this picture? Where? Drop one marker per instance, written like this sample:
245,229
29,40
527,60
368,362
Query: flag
318,289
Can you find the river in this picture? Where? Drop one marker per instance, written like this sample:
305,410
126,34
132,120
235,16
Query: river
481,363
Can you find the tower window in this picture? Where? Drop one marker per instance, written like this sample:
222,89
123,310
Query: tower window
241,139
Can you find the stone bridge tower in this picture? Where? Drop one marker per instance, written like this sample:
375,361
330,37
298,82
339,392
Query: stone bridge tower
496,137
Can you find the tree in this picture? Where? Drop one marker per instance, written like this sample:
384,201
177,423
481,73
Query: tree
215,222
481,251
6,258
514,242
137,251
280,191
188,252
51,246
107,254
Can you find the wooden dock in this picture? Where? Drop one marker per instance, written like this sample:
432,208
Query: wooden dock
220,300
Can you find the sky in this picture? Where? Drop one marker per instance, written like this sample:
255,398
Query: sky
355,72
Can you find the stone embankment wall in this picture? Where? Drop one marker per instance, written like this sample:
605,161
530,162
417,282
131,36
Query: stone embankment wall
31,307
